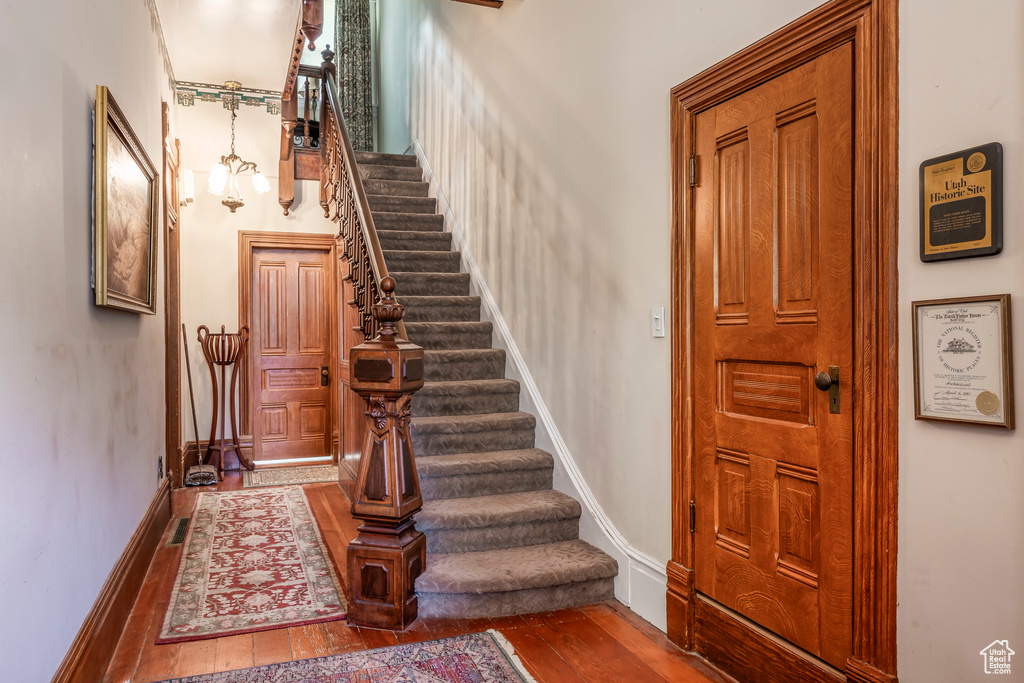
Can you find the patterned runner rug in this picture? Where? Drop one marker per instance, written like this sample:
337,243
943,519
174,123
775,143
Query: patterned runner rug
476,658
286,476
252,561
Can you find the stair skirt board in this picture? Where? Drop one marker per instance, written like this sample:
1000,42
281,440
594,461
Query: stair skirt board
501,540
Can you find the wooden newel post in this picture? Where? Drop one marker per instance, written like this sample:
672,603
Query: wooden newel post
388,555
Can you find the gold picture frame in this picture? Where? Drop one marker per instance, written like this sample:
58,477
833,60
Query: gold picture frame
125,192
963,361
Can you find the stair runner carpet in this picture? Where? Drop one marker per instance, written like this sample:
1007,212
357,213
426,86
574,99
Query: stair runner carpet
500,541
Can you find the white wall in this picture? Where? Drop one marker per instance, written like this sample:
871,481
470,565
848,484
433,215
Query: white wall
81,389
209,232
961,530
547,127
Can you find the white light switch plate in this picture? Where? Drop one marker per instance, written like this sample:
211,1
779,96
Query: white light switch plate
658,321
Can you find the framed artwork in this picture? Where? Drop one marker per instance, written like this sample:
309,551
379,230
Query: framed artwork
125,192
963,361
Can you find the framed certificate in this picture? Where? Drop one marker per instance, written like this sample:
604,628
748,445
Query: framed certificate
963,361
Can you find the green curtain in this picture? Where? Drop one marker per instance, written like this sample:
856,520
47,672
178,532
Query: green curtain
354,64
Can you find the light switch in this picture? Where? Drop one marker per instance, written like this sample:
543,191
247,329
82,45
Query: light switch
658,321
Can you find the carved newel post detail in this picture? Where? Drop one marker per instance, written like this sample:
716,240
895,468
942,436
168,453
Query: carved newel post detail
388,555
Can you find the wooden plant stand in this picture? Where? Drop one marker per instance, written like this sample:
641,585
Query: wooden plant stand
222,350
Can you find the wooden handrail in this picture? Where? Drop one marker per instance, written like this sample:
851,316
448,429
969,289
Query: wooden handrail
344,200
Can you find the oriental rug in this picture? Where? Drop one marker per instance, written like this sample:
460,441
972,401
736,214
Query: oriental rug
287,476
252,561
475,658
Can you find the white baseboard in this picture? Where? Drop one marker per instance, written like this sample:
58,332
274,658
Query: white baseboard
642,580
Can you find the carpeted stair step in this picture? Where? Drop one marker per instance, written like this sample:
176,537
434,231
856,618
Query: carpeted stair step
536,578
382,159
422,261
451,365
385,220
381,202
430,284
470,475
508,520
414,240
396,188
419,309
451,335
380,172
444,434
466,397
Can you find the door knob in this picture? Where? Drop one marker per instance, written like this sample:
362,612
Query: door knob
823,381
829,381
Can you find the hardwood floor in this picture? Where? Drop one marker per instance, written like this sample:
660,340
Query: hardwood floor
603,642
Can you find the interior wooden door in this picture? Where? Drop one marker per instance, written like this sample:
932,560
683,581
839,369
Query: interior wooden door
291,353
773,293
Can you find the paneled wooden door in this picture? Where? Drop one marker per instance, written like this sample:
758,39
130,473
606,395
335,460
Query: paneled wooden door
773,292
290,337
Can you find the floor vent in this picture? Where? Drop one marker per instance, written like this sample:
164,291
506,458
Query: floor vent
179,533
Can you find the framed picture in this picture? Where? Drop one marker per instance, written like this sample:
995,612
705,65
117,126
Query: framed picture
125,194
963,361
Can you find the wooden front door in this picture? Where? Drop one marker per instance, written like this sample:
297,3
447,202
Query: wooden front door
291,353
773,292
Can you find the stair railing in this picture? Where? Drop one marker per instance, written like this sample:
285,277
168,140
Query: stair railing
343,199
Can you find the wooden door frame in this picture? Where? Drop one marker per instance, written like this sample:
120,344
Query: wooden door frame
249,241
172,303
693,623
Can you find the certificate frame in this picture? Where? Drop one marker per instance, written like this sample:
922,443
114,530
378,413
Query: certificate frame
963,361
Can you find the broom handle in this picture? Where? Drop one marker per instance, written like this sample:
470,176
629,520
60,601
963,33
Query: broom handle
191,398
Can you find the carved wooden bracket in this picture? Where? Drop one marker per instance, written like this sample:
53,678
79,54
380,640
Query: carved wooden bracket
389,553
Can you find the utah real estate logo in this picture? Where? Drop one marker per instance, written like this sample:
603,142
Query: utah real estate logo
997,657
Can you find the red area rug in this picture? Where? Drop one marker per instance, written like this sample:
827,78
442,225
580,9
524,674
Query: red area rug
253,560
476,658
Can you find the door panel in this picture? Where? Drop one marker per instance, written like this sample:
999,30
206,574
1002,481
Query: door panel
773,306
292,345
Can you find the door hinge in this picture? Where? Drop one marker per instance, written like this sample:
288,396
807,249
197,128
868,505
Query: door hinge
160,467
693,171
693,517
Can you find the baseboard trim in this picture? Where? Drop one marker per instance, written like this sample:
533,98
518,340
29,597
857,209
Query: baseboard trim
749,653
94,646
642,580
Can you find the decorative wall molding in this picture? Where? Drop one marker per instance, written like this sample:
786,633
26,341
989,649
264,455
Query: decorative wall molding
158,29
642,579
186,93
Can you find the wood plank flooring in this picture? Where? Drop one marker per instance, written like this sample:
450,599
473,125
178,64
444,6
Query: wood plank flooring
602,642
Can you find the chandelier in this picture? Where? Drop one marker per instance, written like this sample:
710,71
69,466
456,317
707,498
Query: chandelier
224,175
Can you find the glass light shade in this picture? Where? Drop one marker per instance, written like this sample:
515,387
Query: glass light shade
259,182
218,179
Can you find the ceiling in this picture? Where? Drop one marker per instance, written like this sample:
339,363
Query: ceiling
212,41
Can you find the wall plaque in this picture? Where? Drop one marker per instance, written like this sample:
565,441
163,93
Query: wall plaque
962,204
